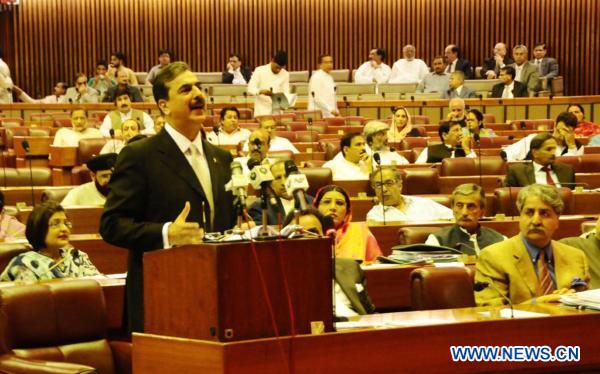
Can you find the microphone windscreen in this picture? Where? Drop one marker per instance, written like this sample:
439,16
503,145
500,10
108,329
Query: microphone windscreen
252,162
377,158
290,167
25,145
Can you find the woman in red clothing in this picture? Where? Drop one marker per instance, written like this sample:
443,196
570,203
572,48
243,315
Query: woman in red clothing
584,128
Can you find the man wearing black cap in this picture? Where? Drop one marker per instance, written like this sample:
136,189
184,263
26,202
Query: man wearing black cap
267,80
94,192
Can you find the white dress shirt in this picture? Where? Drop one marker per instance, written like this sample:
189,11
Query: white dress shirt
452,67
540,175
367,73
184,145
67,137
264,79
278,143
416,208
518,150
85,194
518,70
323,86
113,146
343,169
6,83
234,138
422,159
507,93
408,71
387,157
238,77
146,121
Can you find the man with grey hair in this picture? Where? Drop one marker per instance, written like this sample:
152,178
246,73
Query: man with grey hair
467,235
526,72
408,69
491,66
387,184
376,136
457,88
531,267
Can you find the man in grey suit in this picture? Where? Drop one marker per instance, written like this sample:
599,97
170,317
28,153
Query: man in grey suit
457,87
547,66
526,72
543,169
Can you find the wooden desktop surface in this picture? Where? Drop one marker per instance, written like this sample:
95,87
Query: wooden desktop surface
421,346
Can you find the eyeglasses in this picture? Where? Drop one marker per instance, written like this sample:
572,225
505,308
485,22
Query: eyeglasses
58,224
388,184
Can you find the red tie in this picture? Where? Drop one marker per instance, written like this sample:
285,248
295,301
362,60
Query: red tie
549,179
546,284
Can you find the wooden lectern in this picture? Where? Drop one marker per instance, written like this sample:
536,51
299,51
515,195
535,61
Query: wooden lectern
214,291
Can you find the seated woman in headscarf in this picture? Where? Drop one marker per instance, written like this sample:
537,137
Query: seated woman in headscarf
353,239
48,230
401,126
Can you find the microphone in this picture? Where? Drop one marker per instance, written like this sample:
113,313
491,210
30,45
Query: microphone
477,139
112,136
480,97
25,145
345,98
245,99
296,184
377,159
480,286
238,183
412,98
383,96
260,177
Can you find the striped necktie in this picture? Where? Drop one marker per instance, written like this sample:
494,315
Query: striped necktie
546,284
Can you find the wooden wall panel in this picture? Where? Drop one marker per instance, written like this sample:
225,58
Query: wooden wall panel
54,39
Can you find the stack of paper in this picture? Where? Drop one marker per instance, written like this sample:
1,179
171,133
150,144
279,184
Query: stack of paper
586,299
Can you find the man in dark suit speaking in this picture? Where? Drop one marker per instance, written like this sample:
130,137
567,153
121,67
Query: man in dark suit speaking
165,189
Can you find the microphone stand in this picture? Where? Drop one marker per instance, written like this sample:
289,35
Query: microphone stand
112,137
480,286
477,139
25,145
310,131
377,159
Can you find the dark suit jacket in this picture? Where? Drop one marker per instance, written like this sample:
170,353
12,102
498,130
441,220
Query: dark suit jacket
227,77
348,275
275,213
521,175
134,93
464,66
549,68
519,90
150,185
490,64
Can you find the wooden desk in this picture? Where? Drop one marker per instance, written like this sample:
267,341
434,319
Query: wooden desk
423,347
86,219
15,195
107,258
389,286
